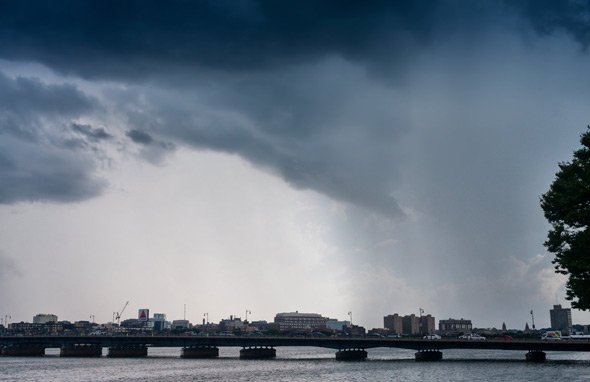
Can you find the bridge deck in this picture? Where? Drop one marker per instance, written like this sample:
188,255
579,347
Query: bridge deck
277,341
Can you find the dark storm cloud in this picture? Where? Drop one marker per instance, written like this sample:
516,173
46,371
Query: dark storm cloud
548,16
262,61
140,137
309,125
23,94
133,38
24,100
153,150
35,161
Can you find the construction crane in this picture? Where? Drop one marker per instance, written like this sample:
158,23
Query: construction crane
117,315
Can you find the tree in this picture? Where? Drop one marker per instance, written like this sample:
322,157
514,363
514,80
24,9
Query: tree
567,208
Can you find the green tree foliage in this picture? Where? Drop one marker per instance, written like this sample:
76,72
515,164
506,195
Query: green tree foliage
567,208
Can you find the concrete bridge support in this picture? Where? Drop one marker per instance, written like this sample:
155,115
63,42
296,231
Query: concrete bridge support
81,350
23,351
128,351
351,355
258,352
428,355
200,352
536,356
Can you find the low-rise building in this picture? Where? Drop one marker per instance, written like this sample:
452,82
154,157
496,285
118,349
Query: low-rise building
453,325
158,322
355,330
180,325
336,325
259,325
230,324
28,328
300,321
43,318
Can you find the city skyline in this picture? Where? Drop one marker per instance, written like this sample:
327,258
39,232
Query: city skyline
320,157
145,314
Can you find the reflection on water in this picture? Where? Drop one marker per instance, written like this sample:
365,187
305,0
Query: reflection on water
300,364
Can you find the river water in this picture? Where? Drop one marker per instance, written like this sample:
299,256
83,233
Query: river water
300,364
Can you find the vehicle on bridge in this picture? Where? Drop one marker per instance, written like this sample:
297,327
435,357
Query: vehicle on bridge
472,337
552,335
432,337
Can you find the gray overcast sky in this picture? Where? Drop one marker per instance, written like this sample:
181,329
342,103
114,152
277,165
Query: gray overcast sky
325,156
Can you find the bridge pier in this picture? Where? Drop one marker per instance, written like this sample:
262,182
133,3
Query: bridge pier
81,350
200,352
128,351
258,352
351,355
23,351
428,355
537,356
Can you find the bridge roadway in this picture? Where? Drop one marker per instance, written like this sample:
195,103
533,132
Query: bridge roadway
277,341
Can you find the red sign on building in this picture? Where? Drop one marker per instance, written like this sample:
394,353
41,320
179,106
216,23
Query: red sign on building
143,315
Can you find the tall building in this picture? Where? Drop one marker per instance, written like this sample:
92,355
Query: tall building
300,321
454,326
561,318
427,325
411,325
393,322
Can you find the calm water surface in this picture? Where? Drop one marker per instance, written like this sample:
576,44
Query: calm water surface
300,364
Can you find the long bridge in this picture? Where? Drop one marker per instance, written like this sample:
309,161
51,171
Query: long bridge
260,347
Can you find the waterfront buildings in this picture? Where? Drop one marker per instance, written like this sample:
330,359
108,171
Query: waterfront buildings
300,321
561,319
